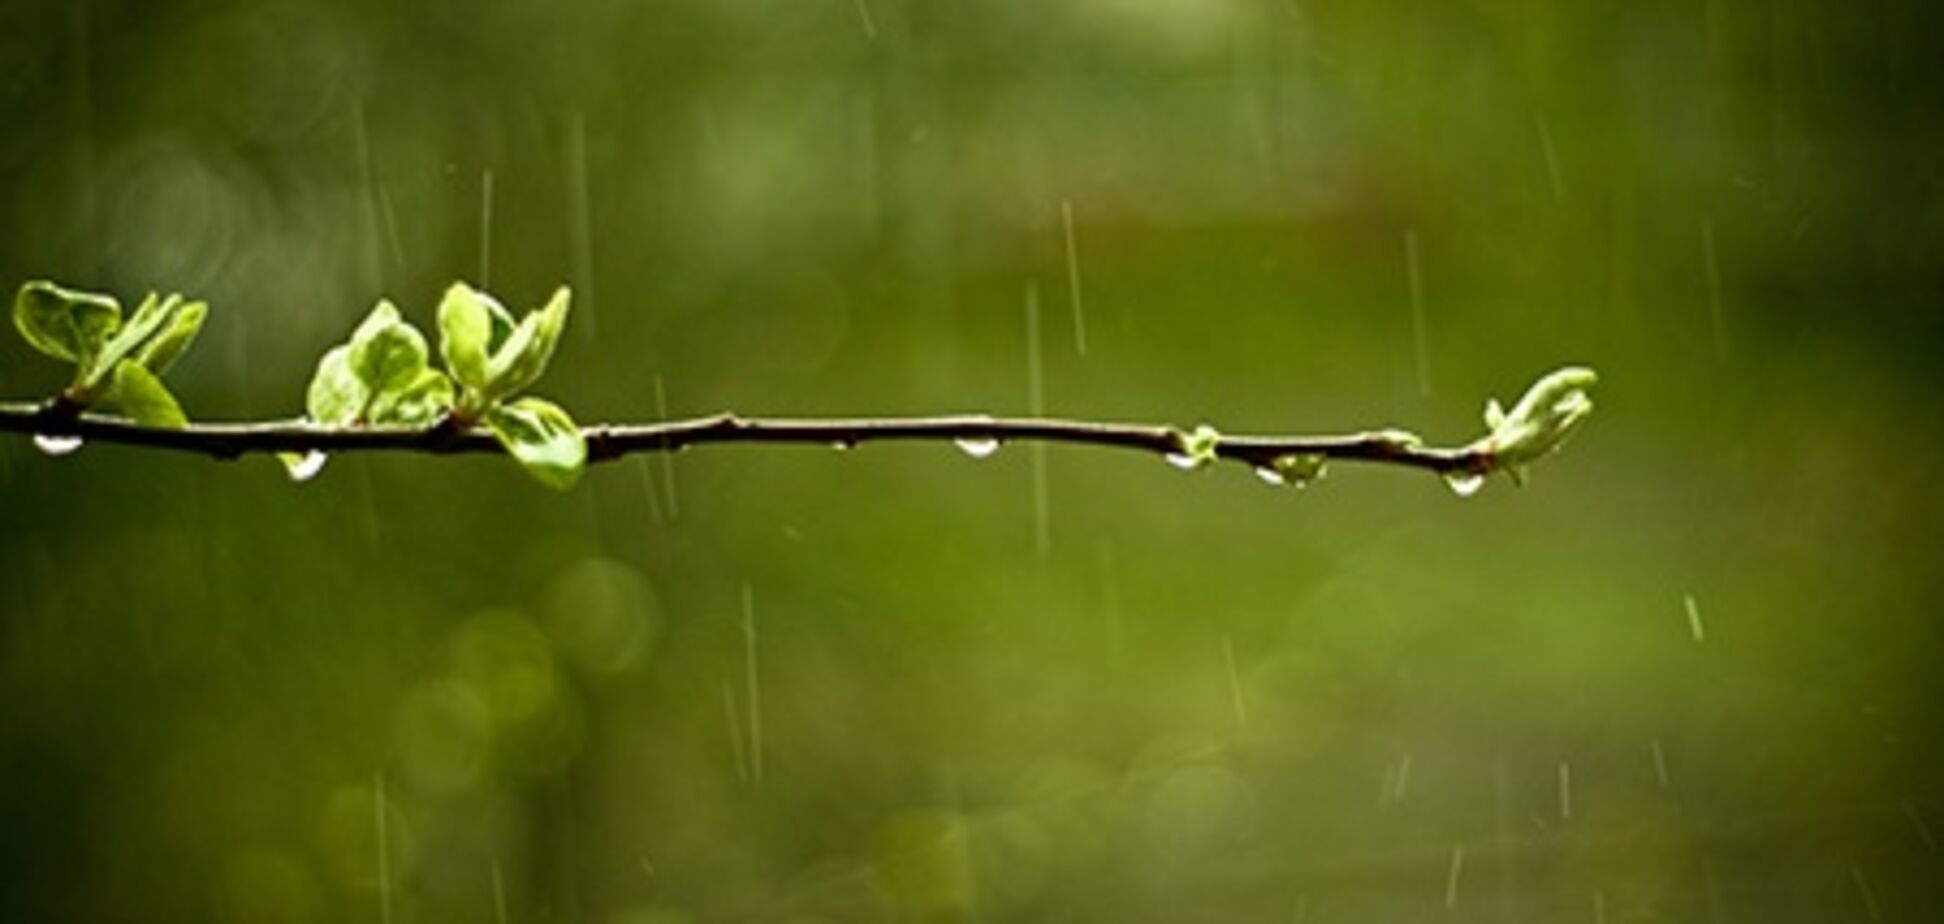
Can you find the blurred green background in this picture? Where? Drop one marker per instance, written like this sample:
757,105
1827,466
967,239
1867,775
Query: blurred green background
1688,674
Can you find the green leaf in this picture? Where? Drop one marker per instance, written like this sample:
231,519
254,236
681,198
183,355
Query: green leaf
142,397
542,438
1494,415
520,361
161,350
64,323
420,403
386,354
336,396
468,319
149,317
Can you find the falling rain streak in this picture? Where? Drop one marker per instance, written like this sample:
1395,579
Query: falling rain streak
1713,890
1565,791
1413,266
1713,265
754,690
379,811
389,216
1396,783
1073,278
1036,400
368,204
1110,594
1923,830
367,500
864,19
737,752
81,110
499,893
1234,683
1695,628
1544,127
1660,764
1451,876
1867,894
580,224
667,458
644,470
486,228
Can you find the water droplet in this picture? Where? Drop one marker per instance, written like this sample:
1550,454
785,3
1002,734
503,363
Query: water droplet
1298,469
1464,484
56,445
1695,626
1183,461
978,447
305,467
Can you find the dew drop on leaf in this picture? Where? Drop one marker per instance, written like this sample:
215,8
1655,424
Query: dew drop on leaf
978,447
56,445
1464,484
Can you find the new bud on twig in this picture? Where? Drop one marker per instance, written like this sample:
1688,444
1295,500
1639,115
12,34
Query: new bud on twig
1540,422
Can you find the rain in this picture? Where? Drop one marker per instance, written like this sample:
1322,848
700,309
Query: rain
1073,278
1682,669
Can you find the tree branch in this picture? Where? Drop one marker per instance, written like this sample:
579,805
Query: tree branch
612,441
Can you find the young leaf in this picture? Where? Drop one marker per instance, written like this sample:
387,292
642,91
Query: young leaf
1548,412
336,396
148,316
64,323
526,352
140,396
420,403
542,438
152,320
161,350
386,354
466,323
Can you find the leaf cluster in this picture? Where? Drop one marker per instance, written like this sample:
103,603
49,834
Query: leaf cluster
118,363
381,377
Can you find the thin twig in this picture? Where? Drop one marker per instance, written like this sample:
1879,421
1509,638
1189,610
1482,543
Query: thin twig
613,441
